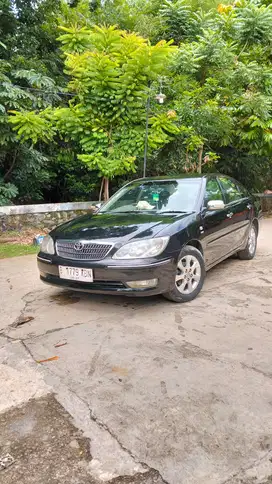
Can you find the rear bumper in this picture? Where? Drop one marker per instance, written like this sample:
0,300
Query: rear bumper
112,279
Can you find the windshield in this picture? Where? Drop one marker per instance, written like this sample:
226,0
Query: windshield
156,196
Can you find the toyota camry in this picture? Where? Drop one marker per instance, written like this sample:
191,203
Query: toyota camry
154,236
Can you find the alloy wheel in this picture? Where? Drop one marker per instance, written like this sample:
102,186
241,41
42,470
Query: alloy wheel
188,274
252,240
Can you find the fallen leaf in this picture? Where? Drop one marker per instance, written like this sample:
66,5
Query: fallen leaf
22,320
58,345
121,371
53,358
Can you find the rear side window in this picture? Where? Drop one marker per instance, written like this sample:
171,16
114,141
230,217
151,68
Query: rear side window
243,191
213,191
230,189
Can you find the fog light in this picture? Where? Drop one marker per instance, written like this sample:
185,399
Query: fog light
143,284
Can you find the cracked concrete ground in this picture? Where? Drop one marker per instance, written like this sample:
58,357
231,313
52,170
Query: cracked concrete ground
164,393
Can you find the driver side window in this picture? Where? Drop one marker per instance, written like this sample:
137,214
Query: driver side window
231,190
213,191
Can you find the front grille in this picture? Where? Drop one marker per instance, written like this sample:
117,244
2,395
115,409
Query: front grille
82,250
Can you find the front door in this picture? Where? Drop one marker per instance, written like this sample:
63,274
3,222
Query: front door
216,227
238,211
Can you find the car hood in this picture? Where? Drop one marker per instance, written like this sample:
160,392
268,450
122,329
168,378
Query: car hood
115,226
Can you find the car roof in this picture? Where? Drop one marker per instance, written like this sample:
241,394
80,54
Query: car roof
179,177
183,176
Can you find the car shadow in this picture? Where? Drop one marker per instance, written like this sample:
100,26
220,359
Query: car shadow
67,297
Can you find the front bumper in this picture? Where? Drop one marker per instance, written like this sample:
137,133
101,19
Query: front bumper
111,278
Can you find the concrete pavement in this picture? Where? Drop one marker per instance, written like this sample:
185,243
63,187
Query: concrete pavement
170,393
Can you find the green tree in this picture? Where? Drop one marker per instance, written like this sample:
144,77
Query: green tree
220,87
253,23
218,93
28,63
16,159
110,71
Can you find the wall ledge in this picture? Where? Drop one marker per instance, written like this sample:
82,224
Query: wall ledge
45,208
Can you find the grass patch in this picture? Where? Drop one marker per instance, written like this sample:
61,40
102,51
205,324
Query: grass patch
14,250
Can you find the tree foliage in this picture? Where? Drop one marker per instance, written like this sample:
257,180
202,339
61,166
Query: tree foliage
73,100
110,71
221,86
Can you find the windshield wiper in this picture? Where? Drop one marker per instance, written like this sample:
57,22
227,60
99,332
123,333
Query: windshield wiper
144,211
116,211
132,211
173,211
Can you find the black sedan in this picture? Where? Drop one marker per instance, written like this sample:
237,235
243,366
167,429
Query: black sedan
154,236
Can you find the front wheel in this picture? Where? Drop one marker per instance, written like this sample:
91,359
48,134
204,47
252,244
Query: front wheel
249,252
189,277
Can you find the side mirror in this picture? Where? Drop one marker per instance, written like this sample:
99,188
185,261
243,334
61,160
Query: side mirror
98,205
215,205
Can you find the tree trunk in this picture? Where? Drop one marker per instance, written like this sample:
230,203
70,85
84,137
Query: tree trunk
6,176
200,153
106,189
101,189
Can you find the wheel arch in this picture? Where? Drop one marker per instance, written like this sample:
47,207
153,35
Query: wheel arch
195,243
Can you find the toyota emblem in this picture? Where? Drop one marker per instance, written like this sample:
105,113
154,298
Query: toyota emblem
78,246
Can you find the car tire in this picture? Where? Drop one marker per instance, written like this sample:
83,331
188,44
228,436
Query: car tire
189,277
249,252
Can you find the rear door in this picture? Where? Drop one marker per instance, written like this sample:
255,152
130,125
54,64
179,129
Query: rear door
239,211
216,225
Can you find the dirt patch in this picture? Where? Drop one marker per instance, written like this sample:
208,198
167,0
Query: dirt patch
65,298
45,445
24,237
151,477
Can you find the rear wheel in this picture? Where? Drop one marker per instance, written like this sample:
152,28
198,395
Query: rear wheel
189,277
249,252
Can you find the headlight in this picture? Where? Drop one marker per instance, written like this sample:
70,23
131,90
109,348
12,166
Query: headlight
142,248
48,245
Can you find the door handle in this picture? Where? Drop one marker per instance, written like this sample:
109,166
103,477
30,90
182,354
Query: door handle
229,215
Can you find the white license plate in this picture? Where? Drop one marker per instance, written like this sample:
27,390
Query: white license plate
76,273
